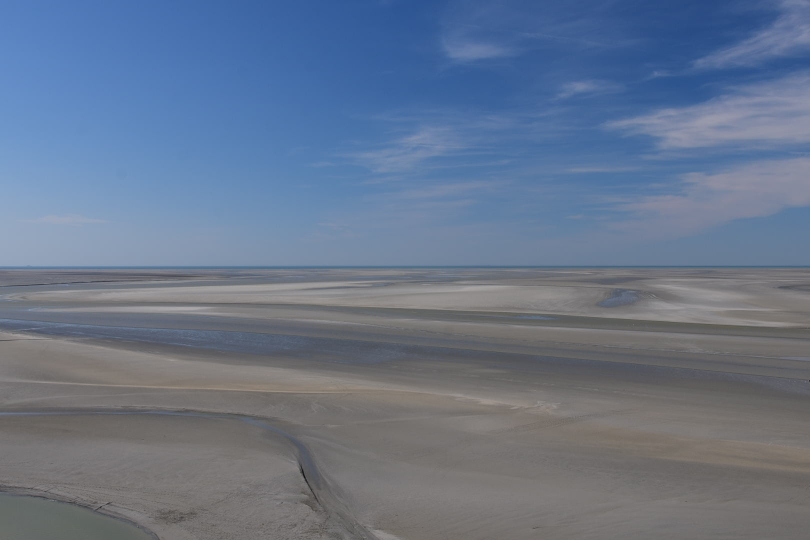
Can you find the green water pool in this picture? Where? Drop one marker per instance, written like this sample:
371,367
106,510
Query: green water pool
34,518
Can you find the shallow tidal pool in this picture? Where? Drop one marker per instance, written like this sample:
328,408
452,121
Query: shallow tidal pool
34,518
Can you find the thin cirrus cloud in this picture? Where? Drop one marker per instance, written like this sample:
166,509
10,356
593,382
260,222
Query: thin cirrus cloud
430,202
480,30
414,205
587,87
597,169
771,114
405,152
788,35
757,189
460,48
426,138
65,219
476,30
445,190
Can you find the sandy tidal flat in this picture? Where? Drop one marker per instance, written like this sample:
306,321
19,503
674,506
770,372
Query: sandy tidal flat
414,404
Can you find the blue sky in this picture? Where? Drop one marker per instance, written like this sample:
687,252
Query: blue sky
368,132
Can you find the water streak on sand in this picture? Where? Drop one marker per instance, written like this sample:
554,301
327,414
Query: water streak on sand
340,350
620,297
361,352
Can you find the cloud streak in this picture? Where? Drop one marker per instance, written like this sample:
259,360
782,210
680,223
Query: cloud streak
757,189
460,48
65,219
788,35
771,113
406,152
480,30
436,205
587,88
443,139
443,191
600,169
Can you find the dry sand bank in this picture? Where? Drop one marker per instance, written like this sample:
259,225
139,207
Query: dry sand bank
429,423
758,297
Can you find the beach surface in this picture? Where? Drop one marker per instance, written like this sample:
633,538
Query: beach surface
413,403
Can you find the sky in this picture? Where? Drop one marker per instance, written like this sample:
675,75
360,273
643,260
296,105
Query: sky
404,132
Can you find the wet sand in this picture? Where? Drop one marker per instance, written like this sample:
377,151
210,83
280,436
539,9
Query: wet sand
431,403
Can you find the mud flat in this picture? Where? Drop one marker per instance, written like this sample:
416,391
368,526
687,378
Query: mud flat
414,403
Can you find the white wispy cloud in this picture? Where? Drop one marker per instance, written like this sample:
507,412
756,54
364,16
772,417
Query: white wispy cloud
440,203
411,205
65,219
587,87
430,202
700,201
473,30
768,113
461,48
442,139
597,169
405,152
788,35
479,30
442,191
331,230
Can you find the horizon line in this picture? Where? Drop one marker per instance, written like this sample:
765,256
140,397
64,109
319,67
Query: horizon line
283,267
